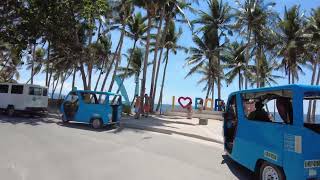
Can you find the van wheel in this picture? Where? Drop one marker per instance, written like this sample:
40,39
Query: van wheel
269,171
10,111
96,123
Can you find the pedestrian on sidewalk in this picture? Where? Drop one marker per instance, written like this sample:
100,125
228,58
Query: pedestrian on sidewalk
146,105
137,108
189,109
200,106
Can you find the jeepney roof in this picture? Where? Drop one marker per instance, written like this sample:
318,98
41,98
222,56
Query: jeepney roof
277,88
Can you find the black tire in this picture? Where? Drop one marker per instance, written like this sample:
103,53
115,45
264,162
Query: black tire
270,171
10,111
96,123
64,119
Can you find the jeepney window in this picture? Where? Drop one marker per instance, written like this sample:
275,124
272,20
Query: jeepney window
4,88
17,89
90,98
272,106
35,91
115,100
73,97
311,111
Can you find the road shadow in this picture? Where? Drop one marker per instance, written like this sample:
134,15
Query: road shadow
237,169
24,118
87,127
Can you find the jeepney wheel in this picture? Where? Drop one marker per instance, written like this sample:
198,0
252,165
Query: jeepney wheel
10,111
96,123
271,172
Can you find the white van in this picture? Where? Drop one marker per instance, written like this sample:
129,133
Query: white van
23,97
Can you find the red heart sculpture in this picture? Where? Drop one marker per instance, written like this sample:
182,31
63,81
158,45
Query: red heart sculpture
185,99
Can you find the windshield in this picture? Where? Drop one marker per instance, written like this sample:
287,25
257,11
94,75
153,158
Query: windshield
311,110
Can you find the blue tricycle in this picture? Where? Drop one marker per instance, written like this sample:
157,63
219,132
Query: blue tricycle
275,131
90,107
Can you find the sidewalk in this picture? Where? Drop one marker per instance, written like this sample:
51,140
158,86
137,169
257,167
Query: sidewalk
178,125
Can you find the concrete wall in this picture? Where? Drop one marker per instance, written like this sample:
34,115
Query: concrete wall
216,115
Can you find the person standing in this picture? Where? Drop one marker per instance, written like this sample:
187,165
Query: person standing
137,107
146,107
189,110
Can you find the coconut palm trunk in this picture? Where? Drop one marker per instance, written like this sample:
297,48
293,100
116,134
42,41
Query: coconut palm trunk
154,68
63,80
314,106
110,67
163,80
145,64
32,62
212,91
54,86
118,57
239,76
314,72
247,56
128,65
166,28
47,64
74,77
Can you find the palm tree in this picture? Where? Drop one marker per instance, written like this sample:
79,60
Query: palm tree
249,15
151,6
170,9
208,77
137,29
291,43
215,26
171,46
35,62
10,61
267,78
135,67
125,11
235,63
313,36
198,59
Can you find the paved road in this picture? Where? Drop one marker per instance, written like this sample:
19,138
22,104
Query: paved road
44,149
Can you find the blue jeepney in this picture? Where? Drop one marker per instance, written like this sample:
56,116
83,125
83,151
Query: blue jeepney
275,131
91,107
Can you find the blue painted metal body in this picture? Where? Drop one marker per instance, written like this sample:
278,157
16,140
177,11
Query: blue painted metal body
253,139
87,112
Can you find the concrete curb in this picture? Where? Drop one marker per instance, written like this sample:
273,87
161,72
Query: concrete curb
169,132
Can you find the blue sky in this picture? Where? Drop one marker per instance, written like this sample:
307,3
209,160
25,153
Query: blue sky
176,84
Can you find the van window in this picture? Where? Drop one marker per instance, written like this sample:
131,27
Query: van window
17,89
35,91
311,111
45,92
272,106
4,88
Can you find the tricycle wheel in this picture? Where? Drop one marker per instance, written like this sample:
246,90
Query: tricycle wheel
96,123
269,171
